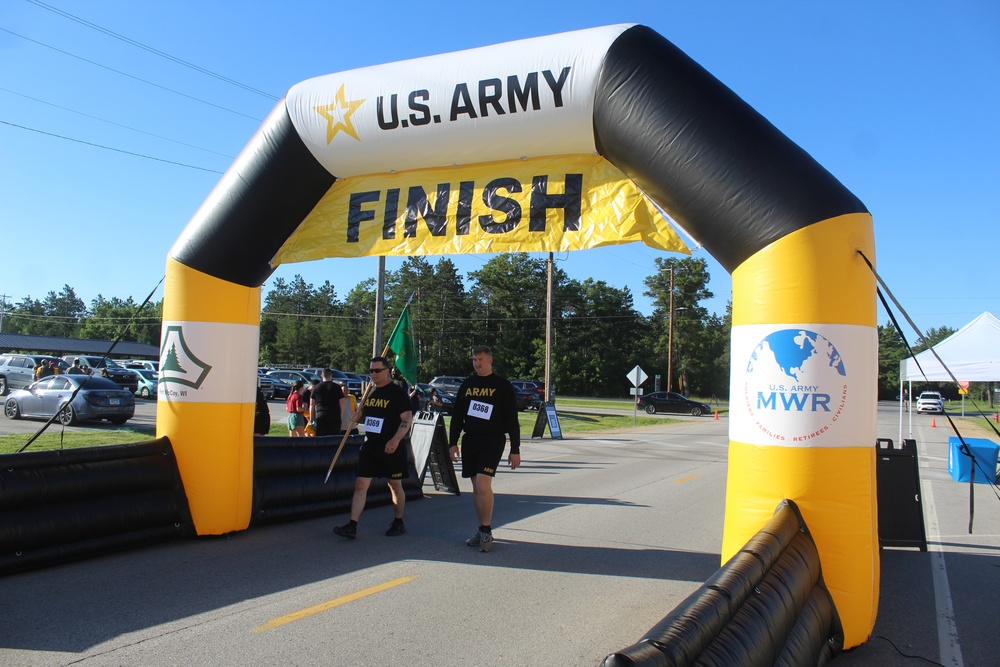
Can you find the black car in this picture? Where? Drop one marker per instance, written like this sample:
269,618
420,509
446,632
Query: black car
669,401
535,389
525,399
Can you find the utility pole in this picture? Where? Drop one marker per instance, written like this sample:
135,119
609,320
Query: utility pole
3,305
548,335
670,333
379,307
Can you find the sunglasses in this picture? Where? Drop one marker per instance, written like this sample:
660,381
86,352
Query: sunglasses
377,370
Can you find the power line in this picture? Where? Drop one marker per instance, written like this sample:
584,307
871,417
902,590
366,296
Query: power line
111,122
109,148
150,49
112,69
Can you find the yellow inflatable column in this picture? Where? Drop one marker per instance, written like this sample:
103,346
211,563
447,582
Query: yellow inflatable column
207,391
803,404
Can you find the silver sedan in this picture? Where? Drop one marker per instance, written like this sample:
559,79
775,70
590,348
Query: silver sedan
98,398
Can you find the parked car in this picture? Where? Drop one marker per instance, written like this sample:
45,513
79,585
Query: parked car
930,401
669,401
525,399
133,364
449,383
148,381
282,388
17,371
100,398
123,377
292,376
349,384
534,388
266,384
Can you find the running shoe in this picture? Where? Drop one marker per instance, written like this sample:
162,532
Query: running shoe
474,540
486,541
347,530
395,528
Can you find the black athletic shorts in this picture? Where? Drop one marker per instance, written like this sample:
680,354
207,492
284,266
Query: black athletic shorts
481,453
374,462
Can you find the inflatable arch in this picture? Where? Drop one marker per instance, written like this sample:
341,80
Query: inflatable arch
577,132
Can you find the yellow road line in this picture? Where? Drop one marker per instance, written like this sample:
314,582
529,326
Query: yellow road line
686,479
330,604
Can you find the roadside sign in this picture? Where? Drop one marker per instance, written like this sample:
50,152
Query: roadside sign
635,391
637,376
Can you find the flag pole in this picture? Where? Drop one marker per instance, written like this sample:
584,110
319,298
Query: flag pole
364,395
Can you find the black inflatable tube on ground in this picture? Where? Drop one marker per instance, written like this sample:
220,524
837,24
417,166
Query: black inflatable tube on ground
769,594
61,505
289,474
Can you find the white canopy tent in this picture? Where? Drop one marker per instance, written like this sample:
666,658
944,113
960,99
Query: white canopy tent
972,354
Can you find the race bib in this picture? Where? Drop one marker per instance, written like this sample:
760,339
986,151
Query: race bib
373,424
480,410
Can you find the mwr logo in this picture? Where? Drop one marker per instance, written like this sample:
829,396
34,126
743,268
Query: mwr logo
796,385
178,364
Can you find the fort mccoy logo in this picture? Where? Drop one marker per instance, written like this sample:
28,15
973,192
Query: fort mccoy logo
179,367
796,386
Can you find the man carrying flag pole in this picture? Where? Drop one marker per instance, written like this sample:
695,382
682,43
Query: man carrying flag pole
387,418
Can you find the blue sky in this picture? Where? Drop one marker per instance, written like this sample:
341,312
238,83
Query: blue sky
899,100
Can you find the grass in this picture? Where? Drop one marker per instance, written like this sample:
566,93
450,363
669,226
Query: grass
54,438
624,403
571,422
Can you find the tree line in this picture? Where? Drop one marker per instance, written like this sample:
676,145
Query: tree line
597,334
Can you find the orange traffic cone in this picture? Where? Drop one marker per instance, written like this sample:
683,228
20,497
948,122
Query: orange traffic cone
716,415
933,422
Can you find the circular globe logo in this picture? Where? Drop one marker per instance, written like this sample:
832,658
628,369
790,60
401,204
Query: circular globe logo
796,385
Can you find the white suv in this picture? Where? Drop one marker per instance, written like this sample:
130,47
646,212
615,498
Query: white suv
930,401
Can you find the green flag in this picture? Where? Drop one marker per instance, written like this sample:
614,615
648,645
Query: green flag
405,347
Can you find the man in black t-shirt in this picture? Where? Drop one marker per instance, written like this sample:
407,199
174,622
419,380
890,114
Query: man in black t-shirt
326,405
387,418
486,411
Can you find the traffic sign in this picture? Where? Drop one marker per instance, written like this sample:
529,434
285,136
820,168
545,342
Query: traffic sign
637,376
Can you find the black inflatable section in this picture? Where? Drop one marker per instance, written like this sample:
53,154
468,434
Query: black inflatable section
288,476
718,167
263,196
57,506
766,606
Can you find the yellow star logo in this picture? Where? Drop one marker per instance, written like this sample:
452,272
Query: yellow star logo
338,115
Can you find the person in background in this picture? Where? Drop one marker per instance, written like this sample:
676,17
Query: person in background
435,404
296,409
55,368
326,405
76,368
262,414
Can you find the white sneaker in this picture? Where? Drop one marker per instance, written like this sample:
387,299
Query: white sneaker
485,541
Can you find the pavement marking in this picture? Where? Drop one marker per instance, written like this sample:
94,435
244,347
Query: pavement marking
330,604
949,649
682,480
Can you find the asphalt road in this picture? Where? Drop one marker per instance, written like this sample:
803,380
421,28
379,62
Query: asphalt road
598,538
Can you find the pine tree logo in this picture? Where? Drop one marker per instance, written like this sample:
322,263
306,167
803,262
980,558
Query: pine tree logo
170,362
178,364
